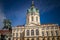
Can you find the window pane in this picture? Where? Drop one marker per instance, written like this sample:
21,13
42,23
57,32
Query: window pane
27,32
47,33
42,33
32,32
37,32
56,33
51,33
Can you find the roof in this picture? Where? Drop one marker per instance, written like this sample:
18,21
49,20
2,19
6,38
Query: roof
20,25
4,32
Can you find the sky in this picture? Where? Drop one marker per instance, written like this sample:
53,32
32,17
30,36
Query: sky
16,11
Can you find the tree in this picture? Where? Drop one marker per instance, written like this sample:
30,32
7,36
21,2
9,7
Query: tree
7,24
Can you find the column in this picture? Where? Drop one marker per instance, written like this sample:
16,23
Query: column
30,32
25,38
34,32
18,38
45,38
40,32
25,32
34,38
50,38
54,38
29,38
40,38
45,34
15,38
49,33
6,38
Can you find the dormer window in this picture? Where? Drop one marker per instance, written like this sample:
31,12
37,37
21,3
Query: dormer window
37,19
32,18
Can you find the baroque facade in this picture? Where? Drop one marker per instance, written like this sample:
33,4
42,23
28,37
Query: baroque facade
33,30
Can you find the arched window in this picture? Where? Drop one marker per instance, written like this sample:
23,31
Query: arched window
37,32
32,18
32,32
27,32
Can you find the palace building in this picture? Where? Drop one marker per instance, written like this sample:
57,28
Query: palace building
34,30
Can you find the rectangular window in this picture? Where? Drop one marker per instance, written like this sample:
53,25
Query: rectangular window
47,33
56,27
42,33
37,19
51,33
56,33
52,27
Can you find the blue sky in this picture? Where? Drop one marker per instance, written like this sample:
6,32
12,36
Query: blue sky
16,11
